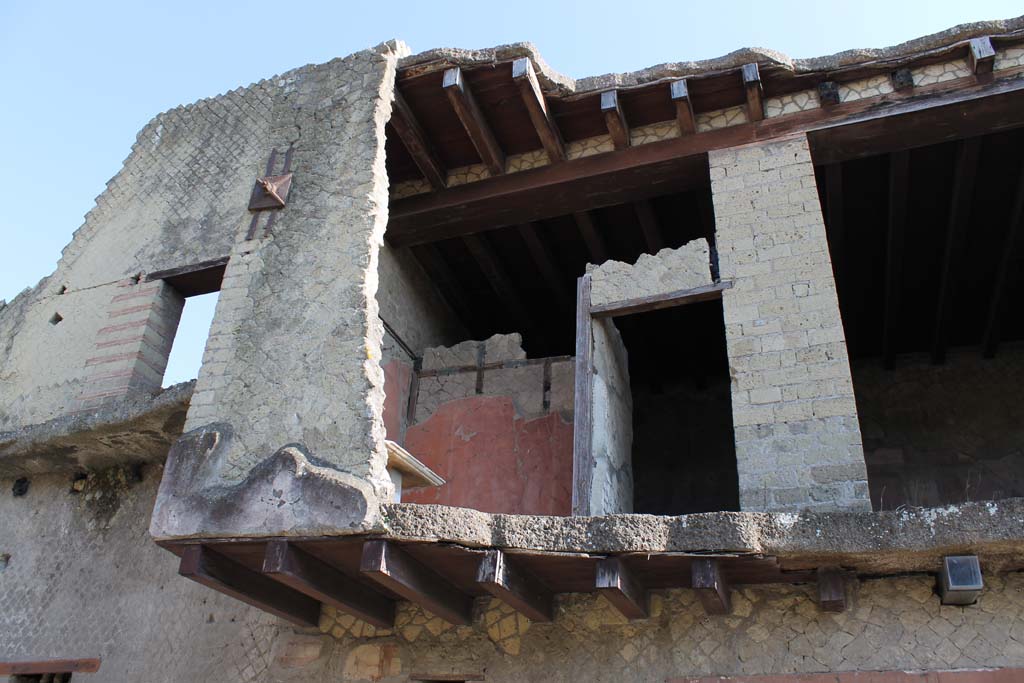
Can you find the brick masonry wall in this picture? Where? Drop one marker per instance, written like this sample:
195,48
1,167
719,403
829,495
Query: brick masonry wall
798,443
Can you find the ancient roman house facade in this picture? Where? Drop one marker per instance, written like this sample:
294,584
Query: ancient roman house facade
711,371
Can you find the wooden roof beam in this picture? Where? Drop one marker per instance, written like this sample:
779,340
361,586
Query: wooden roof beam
711,587
981,56
990,341
831,590
417,143
899,181
956,230
588,231
473,121
293,567
543,122
545,262
649,226
679,91
499,279
616,583
515,587
396,570
615,119
223,574
755,92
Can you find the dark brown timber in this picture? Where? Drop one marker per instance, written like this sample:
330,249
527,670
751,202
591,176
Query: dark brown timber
899,172
657,302
981,56
477,128
545,263
582,458
516,588
536,106
990,341
393,568
50,666
707,580
213,570
649,226
679,91
293,567
195,278
831,590
591,237
614,119
417,143
754,91
956,232
616,583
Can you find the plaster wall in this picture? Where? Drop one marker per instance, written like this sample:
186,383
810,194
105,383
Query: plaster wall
670,270
612,431
798,442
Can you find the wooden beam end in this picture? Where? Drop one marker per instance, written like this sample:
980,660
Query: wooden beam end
711,587
981,56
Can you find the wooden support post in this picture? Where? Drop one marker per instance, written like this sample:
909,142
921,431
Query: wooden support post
394,569
499,279
649,225
614,119
588,231
537,107
956,231
828,93
831,590
583,415
545,263
473,121
616,583
514,587
899,181
752,86
296,568
981,56
711,587
221,573
417,143
990,341
679,91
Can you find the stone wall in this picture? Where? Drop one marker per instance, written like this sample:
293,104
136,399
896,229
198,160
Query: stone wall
941,434
291,378
496,426
798,444
892,624
611,489
670,270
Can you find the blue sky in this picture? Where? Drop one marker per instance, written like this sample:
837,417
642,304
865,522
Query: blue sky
81,78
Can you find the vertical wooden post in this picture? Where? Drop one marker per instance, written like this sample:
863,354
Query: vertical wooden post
583,417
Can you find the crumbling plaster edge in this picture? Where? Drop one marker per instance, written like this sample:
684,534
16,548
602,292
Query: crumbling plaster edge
557,83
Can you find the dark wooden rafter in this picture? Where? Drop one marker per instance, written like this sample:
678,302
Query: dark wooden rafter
754,91
831,590
492,268
500,577
679,91
596,246
711,587
649,225
545,262
417,143
614,580
543,122
615,119
966,172
981,56
990,341
434,263
396,570
219,572
582,456
293,567
473,121
899,182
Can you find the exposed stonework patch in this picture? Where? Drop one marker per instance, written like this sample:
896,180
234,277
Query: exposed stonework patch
721,118
804,100
670,270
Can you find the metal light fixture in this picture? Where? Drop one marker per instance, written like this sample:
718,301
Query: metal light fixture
960,581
